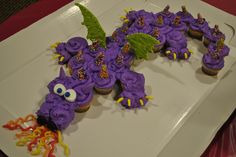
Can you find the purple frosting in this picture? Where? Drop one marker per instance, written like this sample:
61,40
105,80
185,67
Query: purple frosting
222,53
176,39
179,27
57,110
76,63
74,45
171,52
184,54
132,81
213,62
186,17
104,83
213,36
201,27
61,49
134,98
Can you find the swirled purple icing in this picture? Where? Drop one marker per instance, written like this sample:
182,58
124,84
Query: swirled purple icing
117,65
104,83
61,49
75,63
176,39
213,36
74,45
201,27
213,62
222,53
132,81
85,85
186,17
180,27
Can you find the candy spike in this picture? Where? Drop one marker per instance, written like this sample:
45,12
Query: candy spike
120,100
141,102
55,45
62,58
55,56
65,147
129,102
123,17
126,20
149,97
126,10
185,55
174,55
168,52
190,51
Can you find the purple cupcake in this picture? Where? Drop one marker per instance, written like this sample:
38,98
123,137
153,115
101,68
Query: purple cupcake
140,26
104,80
185,16
212,35
198,27
213,61
161,25
178,25
78,61
117,65
76,44
64,55
128,55
167,14
160,37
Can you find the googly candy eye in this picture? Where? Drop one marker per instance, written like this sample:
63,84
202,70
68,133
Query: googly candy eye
70,95
59,89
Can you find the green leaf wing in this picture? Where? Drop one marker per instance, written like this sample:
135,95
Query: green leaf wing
142,44
95,31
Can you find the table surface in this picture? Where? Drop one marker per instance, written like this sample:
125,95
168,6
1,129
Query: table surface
180,89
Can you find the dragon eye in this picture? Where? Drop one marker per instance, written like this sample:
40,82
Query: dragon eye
70,95
59,89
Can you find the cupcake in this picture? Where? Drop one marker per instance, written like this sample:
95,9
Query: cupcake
160,37
95,49
169,16
197,27
76,44
117,65
213,61
178,25
185,16
161,25
140,26
78,61
212,35
131,81
62,54
84,88
96,64
128,55
104,80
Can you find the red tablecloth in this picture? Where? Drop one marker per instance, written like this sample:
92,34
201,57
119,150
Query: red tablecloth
29,15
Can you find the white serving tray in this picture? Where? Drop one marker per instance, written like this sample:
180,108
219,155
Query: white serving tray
180,89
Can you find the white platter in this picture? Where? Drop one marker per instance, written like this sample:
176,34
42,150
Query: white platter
180,89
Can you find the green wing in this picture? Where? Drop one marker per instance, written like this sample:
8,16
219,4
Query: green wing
142,44
95,31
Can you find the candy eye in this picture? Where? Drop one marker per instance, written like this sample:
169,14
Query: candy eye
70,95
59,89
